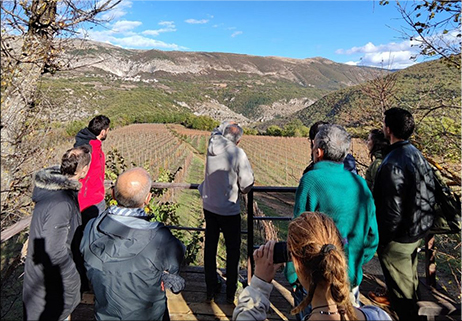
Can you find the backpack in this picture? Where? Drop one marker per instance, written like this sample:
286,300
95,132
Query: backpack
447,207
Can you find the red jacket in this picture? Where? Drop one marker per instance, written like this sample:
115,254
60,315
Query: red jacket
92,191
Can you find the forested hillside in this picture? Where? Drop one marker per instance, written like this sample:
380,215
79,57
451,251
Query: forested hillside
431,90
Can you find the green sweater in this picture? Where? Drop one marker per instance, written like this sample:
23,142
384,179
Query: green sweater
345,197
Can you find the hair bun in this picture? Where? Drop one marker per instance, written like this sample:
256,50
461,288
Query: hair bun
326,248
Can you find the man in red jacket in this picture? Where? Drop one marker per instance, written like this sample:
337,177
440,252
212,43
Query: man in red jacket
91,195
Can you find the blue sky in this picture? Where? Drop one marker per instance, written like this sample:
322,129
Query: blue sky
352,32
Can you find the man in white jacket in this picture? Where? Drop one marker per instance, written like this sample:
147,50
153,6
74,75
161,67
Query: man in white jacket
227,172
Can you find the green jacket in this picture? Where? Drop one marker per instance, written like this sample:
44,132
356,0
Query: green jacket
345,197
372,169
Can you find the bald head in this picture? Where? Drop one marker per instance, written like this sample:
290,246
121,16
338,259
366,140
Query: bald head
132,188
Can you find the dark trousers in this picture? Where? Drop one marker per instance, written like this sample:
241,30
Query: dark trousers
231,228
87,214
399,266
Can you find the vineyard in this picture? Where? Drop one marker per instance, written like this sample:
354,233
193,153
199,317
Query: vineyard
276,161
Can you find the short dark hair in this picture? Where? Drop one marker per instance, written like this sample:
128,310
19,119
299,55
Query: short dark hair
315,128
75,159
98,123
400,122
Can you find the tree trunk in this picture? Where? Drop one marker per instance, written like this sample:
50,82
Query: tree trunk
19,95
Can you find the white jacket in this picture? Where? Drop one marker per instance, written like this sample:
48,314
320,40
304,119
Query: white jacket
253,303
227,171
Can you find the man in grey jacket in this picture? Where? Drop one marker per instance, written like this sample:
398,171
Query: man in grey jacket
227,172
129,259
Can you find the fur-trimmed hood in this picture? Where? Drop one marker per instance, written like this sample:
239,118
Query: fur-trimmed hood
51,179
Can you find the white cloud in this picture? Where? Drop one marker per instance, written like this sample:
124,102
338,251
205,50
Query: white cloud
351,63
167,23
392,55
237,33
125,25
119,10
138,41
169,27
132,40
195,21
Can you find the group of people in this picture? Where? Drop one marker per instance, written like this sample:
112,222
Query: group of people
340,221
76,244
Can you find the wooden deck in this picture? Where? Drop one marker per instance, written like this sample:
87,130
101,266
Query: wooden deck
190,303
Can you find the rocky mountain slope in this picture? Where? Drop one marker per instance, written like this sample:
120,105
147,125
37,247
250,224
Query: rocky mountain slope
221,85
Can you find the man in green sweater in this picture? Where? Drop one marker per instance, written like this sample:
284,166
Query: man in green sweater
344,196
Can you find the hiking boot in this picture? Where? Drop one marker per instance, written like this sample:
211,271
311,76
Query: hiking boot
379,298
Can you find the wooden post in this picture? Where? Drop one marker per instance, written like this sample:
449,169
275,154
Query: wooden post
430,260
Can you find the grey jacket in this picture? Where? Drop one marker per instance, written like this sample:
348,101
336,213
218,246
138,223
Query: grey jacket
125,258
51,287
227,171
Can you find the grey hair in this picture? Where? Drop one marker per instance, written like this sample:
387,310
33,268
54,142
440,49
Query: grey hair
334,141
132,198
233,132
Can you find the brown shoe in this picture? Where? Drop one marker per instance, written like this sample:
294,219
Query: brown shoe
379,299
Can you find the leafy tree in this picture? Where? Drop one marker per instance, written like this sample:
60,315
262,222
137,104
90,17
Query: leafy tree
34,34
274,130
295,129
435,26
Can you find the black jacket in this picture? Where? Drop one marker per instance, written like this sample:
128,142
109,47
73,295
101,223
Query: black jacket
404,195
51,287
125,258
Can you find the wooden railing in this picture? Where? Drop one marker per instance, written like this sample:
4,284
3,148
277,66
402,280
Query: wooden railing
430,263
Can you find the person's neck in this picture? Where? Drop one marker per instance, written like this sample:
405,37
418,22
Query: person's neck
322,298
394,139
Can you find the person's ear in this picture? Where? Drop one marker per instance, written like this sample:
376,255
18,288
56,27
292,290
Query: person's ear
148,198
319,153
83,172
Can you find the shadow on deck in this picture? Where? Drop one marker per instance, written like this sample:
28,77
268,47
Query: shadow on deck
190,303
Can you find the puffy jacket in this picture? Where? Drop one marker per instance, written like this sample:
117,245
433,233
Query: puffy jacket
51,287
227,171
92,191
125,258
404,195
